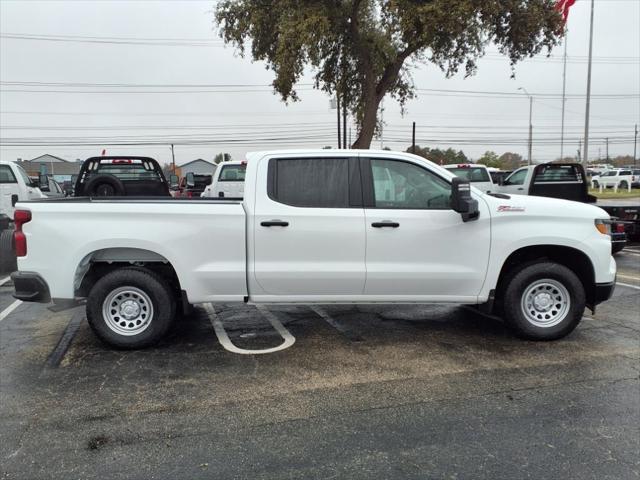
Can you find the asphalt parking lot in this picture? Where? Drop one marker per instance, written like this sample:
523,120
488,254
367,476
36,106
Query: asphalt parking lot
401,392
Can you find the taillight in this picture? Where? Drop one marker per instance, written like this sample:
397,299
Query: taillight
20,217
189,193
619,227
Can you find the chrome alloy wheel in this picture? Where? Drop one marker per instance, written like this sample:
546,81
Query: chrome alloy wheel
545,303
127,311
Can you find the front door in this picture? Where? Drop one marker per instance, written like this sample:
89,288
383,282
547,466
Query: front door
418,248
309,234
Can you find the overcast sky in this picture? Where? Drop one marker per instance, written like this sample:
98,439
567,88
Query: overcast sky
174,43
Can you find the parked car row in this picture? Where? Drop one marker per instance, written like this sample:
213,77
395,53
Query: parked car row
620,177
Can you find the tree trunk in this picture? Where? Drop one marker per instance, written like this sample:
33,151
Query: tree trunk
369,120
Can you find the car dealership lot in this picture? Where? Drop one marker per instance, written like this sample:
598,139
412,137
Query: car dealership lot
394,391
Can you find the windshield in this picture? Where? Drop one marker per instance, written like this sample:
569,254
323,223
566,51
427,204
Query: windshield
472,174
232,173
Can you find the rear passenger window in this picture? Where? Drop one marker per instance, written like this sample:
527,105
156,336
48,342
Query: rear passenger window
6,175
310,182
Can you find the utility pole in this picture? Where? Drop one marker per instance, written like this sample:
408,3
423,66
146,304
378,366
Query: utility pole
586,114
607,143
564,94
635,143
173,159
344,124
413,139
338,112
530,124
579,149
382,124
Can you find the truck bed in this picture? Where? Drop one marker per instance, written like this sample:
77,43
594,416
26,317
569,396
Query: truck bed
112,229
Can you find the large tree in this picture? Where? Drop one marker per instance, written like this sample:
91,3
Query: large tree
363,49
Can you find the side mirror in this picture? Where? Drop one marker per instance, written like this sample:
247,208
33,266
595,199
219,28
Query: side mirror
461,200
191,180
501,180
43,183
174,181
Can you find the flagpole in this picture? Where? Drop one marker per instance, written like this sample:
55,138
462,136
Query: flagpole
585,155
564,93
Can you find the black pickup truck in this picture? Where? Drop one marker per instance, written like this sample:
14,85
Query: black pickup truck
569,181
121,176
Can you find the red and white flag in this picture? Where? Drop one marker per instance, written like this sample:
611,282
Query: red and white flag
563,7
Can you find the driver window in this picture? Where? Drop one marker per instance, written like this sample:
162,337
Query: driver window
517,178
398,184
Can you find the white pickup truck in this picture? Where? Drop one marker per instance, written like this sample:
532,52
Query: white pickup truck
15,185
314,227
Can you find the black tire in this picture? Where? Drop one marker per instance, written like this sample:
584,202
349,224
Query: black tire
158,294
624,185
567,314
8,260
104,185
596,184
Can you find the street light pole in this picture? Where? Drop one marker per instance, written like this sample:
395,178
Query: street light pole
585,157
530,146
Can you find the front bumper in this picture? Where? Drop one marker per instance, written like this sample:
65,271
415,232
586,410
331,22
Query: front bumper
603,292
30,287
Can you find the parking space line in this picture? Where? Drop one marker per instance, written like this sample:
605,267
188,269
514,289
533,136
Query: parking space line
4,280
630,277
5,313
65,341
628,285
322,313
228,345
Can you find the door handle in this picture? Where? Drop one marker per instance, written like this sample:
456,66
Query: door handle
386,223
521,188
274,223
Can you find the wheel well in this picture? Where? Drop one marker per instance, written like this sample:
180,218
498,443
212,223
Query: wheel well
97,264
575,260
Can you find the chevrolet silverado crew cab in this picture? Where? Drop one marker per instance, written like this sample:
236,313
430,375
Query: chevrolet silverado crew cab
318,226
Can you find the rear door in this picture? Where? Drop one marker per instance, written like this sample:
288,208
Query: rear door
309,235
418,248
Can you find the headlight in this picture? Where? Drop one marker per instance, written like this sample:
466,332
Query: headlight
603,225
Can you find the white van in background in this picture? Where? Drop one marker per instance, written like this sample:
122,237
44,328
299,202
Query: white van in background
478,175
228,180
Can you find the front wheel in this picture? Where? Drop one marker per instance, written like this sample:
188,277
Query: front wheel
544,301
130,308
624,185
596,184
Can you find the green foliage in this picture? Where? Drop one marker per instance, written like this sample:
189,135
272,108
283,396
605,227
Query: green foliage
490,159
510,161
441,157
362,48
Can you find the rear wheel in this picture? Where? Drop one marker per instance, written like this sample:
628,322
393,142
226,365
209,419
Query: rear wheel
544,301
130,308
8,260
624,185
596,184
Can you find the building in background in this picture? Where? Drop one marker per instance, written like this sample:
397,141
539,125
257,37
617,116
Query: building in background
198,166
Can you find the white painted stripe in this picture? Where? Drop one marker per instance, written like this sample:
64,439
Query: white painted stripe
225,341
628,285
4,280
5,313
630,277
